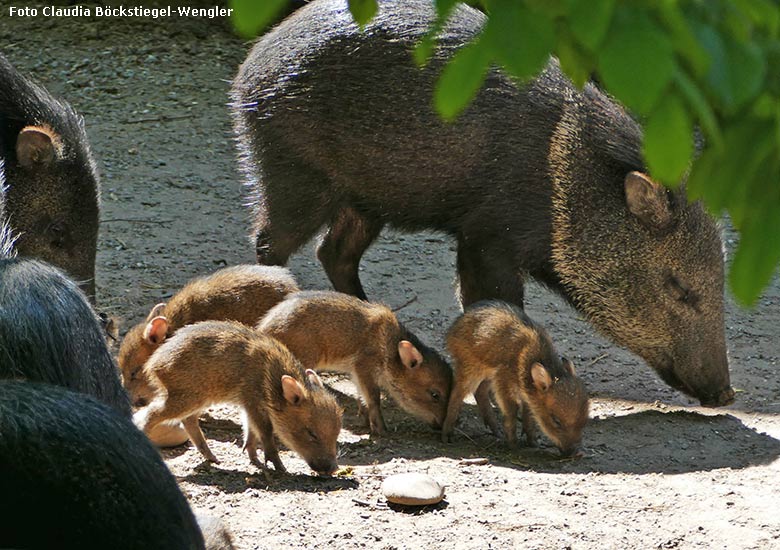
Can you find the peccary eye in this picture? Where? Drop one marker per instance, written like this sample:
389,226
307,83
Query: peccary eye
57,234
681,292
435,396
134,373
312,435
556,422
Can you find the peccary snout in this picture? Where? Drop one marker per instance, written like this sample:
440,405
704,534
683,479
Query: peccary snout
323,466
713,390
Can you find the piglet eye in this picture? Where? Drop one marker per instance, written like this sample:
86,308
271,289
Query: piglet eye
435,396
312,435
134,373
556,422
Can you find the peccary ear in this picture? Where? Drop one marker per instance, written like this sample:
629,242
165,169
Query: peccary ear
292,390
37,146
156,330
157,311
541,377
314,378
569,366
647,200
410,355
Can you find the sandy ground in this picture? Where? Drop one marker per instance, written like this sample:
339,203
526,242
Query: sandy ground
660,472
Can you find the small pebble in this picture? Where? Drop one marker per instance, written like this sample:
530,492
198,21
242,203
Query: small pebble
412,489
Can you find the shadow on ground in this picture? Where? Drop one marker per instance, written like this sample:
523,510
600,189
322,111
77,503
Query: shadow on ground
644,442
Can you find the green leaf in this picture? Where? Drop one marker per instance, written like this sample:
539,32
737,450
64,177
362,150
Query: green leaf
668,140
520,39
737,69
637,61
574,61
424,49
758,253
363,11
701,107
763,13
683,37
461,79
251,17
589,20
550,8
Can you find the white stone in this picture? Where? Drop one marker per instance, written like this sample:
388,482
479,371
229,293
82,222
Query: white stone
412,489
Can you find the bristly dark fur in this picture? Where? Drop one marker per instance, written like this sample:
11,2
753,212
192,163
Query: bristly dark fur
77,474
50,333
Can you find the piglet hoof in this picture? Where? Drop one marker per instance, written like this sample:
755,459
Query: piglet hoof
211,458
446,437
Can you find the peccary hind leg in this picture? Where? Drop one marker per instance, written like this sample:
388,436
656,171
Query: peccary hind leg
482,396
485,273
349,235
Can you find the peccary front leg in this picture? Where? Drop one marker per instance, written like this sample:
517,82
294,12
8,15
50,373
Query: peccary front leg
349,235
295,203
509,408
459,391
482,396
484,273
192,427
529,426
258,423
369,390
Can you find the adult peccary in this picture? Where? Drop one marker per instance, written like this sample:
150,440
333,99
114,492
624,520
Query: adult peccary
336,128
50,333
51,192
75,474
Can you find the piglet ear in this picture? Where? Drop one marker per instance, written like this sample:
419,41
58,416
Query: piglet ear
314,379
37,146
156,330
647,200
157,311
410,355
541,377
292,390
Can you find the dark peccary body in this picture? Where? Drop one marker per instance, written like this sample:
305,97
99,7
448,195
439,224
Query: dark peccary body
52,195
338,332
242,293
496,347
336,128
77,475
50,333
227,362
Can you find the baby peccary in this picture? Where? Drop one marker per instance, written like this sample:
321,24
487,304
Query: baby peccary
495,346
242,293
227,362
338,332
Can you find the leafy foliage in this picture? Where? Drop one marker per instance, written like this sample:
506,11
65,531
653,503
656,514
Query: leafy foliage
678,64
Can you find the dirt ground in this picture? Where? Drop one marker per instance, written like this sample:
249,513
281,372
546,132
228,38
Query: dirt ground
659,471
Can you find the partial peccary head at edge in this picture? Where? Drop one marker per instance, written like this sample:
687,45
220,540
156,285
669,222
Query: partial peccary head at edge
51,193
643,263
